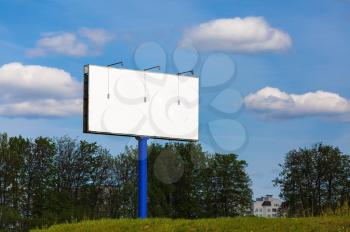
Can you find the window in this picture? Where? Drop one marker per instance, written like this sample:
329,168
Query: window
260,210
274,210
268,210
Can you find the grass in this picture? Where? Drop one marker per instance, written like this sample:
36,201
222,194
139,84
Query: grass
242,224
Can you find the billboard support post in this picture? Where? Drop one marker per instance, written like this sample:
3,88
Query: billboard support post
142,177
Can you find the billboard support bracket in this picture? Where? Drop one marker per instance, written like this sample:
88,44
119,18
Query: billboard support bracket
142,177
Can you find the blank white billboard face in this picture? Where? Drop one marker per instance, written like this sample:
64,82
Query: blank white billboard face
138,103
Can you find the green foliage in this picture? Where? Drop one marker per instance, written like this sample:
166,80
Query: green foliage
46,181
315,181
240,224
340,210
10,219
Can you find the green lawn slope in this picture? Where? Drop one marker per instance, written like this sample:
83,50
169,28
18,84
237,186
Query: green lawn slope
248,224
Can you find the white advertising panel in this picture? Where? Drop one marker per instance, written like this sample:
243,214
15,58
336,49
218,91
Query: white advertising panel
140,103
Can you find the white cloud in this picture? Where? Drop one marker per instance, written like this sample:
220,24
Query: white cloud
59,43
42,108
33,91
18,81
249,34
273,103
88,41
98,36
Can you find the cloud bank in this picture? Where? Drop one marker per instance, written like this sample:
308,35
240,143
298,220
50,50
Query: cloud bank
243,35
87,41
38,91
273,103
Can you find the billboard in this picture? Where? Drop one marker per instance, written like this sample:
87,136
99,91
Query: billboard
140,103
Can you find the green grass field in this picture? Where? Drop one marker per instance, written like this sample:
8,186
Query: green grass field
244,224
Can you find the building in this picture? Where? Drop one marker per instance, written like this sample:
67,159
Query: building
266,207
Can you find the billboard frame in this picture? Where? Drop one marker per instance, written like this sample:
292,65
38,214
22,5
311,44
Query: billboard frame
86,113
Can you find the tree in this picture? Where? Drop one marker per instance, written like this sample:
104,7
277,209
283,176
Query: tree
227,186
123,187
12,152
37,182
314,179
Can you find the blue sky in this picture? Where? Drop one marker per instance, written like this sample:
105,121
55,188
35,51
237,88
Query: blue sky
316,59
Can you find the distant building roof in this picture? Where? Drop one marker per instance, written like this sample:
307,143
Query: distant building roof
267,197
266,203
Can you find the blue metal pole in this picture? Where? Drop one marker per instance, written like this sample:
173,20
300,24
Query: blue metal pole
142,177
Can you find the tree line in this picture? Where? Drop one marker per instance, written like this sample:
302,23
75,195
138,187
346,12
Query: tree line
315,181
53,180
